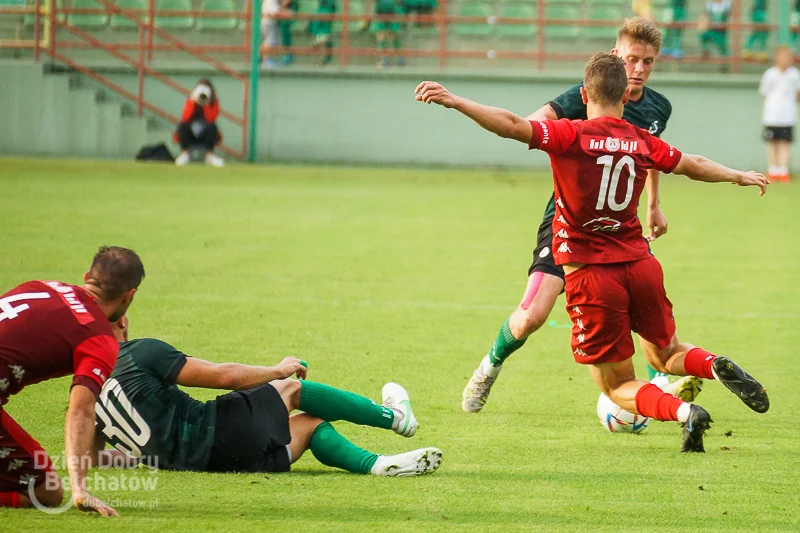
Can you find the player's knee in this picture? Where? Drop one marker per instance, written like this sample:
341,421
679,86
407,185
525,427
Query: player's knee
50,494
526,321
289,389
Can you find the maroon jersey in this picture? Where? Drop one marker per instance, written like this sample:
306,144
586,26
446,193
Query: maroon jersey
48,330
599,172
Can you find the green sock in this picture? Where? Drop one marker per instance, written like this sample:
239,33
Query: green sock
651,373
328,48
285,27
331,449
397,43
332,404
504,346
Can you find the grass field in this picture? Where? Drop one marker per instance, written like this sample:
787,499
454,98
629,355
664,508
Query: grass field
375,275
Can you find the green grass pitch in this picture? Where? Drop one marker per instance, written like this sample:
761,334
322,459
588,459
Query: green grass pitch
375,275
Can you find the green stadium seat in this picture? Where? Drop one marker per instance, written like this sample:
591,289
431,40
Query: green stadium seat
519,11
603,13
218,23
180,22
30,19
121,22
556,11
86,20
359,9
480,29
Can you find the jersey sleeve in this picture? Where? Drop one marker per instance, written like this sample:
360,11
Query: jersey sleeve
552,136
159,359
765,85
569,104
664,157
93,361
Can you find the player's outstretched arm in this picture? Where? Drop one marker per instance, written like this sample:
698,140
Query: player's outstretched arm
699,168
499,121
79,437
234,376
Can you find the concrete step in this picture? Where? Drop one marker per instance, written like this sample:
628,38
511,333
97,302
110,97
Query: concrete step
55,116
83,124
134,136
109,129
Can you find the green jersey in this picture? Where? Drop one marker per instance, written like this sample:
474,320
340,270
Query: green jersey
143,413
678,4
759,5
651,112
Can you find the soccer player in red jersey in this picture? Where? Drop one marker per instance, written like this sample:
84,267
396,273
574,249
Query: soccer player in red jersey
50,329
614,285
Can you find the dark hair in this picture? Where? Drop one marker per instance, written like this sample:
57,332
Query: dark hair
640,30
605,79
115,271
205,81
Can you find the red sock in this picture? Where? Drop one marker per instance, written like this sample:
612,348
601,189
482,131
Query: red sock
655,403
10,499
698,363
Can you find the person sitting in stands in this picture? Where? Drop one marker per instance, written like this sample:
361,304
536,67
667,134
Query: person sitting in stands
198,127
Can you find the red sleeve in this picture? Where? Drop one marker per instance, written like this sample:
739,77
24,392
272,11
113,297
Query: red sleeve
665,158
93,361
211,111
552,136
188,110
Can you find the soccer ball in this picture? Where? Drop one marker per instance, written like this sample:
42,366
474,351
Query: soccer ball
616,419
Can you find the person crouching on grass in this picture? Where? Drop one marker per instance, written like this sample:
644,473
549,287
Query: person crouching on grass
780,87
198,125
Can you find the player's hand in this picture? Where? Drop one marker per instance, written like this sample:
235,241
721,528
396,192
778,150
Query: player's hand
290,366
753,178
431,92
656,223
88,503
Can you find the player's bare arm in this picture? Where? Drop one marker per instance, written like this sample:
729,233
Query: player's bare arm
235,376
79,443
499,121
699,168
656,221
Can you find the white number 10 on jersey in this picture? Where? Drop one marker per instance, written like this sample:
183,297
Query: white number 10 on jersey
609,190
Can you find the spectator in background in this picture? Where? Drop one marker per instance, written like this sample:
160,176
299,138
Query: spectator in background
673,36
644,9
198,126
713,32
415,8
321,30
795,22
757,43
285,23
387,31
270,13
780,87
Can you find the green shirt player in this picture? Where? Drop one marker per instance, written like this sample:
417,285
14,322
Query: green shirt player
757,43
673,35
638,43
144,415
717,12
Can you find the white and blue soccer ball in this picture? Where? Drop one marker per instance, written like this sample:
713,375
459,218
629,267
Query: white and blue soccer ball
616,419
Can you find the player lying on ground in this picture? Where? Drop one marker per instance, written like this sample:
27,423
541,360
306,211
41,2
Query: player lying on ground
614,285
638,43
49,329
248,430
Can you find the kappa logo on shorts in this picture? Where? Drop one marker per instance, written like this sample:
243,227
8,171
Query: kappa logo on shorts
562,234
559,203
5,452
4,385
580,352
581,337
16,464
579,323
562,220
577,310
564,249
545,252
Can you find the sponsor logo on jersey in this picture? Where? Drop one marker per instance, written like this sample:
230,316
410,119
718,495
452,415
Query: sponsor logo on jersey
613,144
99,373
564,249
545,252
604,224
545,133
562,234
653,128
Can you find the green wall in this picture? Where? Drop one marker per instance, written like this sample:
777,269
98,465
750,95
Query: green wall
371,117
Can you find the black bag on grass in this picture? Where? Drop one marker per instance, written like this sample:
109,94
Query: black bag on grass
155,152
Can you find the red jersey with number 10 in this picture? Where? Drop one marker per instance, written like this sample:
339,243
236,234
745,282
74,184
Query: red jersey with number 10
50,329
599,171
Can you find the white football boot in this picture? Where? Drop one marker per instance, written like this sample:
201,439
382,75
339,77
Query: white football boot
395,398
416,463
182,159
476,393
214,160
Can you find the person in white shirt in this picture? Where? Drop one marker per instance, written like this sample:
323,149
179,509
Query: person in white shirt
270,12
780,89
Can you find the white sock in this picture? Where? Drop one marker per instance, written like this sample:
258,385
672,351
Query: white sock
783,171
773,169
683,412
488,369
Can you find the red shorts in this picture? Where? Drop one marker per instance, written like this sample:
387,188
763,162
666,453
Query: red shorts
21,457
607,302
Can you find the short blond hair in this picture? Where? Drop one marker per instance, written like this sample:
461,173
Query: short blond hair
604,79
640,30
